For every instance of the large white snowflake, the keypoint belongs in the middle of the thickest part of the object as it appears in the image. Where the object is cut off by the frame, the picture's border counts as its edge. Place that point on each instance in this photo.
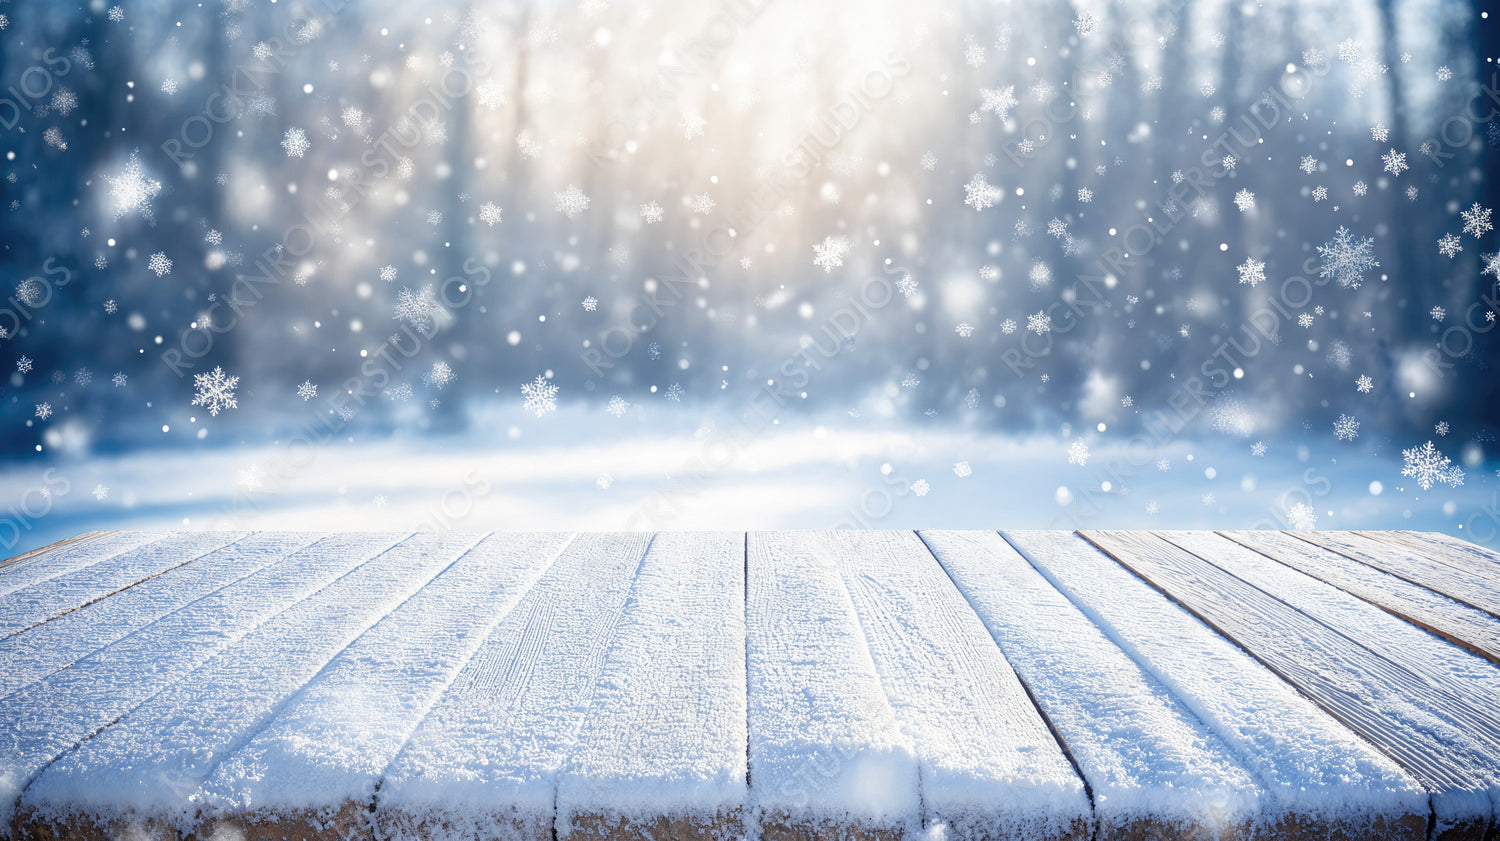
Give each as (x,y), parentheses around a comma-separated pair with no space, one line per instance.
(1428,467)
(1244,200)
(540,394)
(829,254)
(1346,428)
(215,390)
(489,213)
(417,308)
(979,193)
(1347,258)
(1078,453)
(1450,245)
(132,191)
(618,406)
(1252,271)
(571,201)
(295,142)
(307,390)
(1395,162)
(159,263)
(1301,516)
(999,101)
(1476,220)
(1039,322)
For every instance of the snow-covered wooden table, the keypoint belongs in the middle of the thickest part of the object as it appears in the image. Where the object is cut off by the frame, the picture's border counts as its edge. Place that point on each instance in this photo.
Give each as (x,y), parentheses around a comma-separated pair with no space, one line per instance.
(788,686)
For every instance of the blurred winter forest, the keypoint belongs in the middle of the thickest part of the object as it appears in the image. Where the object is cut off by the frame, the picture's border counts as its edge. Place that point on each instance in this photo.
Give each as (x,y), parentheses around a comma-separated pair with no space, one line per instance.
(1003,217)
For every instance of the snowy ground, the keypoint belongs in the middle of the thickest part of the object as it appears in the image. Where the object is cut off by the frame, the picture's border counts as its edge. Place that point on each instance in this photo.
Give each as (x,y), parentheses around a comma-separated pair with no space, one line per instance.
(714,473)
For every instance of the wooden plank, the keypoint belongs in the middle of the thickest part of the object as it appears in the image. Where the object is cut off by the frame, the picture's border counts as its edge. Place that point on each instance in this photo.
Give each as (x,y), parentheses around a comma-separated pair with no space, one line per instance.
(1467,586)
(1454,621)
(1460,554)
(991,768)
(827,756)
(1388,705)
(485,760)
(24,608)
(662,749)
(1309,764)
(66,556)
(148,767)
(1465,683)
(52,715)
(314,768)
(1151,765)
(41,650)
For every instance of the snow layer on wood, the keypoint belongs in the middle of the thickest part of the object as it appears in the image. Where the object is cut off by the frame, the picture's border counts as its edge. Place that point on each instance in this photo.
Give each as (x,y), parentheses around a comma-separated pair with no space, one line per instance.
(43,649)
(486,758)
(50,563)
(68,591)
(1472,682)
(1145,755)
(1460,554)
(825,746)
(52,715)
(1454,620)
(665,735)
(1385,704)
(1471,586)
(330,743)
(1304,758)
(150,764)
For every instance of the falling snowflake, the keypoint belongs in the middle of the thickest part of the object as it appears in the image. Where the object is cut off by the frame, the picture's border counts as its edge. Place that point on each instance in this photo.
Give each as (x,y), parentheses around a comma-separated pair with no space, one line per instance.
(907,286)
(116,14)
(44,410)
(651,212)
(1449,246)
(1444,74)
(618,406)
(132,191)
(1320,193)
(653,350)
(1258,448)
(1228,161)
(100,492)
(1039,322)
(1491,264)
(674,393)
(540,394)
(417,308)
(571,201)
(1395,162)
(1301,516)
(829,254)
(215,391)
(962,469)
(1078,453)
(702,204)
(120,379)
(1364,384)
(1411,193)
(1428,467)
(159,264)
(24,364)
(998,101)
(1441,429)
(910,381)
(1346,428)
(1379,133)
(1252,271)
(964,329)
(1360,188)
(928,161)
(1309,164)
(1086,24)
(1085,195)
(30,291)
(307,390)
(439,375)
(1305,320)
(979,193)
(1244,200)
(1346,259)
(295,143)
(1438,313)
(1476,220)
(398,394)
(489,213)
(920,487)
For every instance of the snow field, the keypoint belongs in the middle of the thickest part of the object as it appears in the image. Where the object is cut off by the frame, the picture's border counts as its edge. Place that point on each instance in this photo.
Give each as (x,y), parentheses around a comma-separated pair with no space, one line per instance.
(1148,760)
(1308,763)
(485,761)
(1443,548)
(51,716)
(827,755)
(1476,587)
(664,737)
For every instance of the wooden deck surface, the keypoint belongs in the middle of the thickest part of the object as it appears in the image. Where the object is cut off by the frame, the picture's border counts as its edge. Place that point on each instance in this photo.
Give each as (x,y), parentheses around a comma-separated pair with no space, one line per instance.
(790,686)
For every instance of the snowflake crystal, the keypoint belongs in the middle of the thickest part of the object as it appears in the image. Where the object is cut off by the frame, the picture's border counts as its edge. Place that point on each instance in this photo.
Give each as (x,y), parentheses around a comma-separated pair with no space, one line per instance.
(1346,258)
(1428,467)
(540,394)
(215,391)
